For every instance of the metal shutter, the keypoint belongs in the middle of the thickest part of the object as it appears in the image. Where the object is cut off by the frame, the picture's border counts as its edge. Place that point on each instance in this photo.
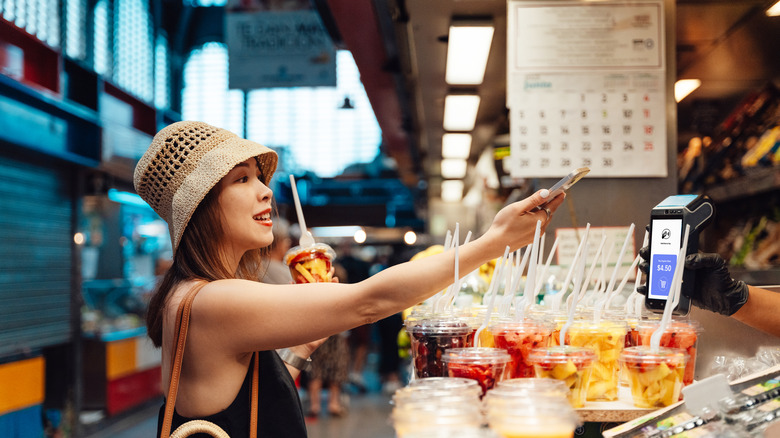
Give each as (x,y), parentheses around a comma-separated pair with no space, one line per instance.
(35,255)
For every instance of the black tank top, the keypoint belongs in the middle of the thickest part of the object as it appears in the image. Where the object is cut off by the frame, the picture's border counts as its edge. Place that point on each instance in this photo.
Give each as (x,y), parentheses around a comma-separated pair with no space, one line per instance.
(279,408)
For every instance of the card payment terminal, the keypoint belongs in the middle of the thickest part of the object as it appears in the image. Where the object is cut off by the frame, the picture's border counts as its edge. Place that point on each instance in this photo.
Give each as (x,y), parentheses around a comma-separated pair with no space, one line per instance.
(667,224)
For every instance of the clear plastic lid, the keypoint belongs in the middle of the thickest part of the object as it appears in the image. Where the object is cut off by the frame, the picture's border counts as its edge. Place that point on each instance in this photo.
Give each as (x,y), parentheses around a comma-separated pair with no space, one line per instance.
(644,355)
(563,354)
(307,252)
(439,326)
(525,326)
(476,355)
(443,382)
(533,384)
(675,325)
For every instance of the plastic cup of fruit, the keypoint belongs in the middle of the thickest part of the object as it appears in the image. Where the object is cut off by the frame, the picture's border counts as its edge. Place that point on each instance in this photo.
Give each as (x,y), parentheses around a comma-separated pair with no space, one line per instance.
(310,264)
(607,338)
(485,365)
(452,388)
(540,418)
(655,377)
(431,337)
(434,416)
(572,365)
(682,334)
(518,338)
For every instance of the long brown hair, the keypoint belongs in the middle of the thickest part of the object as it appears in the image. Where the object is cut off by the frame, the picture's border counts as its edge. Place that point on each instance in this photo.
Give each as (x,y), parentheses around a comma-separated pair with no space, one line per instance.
(199,256)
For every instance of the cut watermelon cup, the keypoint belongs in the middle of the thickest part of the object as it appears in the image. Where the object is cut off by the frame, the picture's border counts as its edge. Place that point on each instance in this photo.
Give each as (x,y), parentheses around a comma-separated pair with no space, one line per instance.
(655,377)
(518,338)
(310,264)
(430,338)
(682,334)
(485,365)
(572,365)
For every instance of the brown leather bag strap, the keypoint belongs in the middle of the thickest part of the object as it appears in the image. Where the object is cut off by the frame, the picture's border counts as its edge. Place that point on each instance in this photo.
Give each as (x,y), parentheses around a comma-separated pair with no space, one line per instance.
(180,337)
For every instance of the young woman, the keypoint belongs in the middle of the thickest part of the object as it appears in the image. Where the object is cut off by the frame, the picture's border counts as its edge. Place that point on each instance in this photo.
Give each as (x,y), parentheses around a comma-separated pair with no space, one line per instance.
(211,187)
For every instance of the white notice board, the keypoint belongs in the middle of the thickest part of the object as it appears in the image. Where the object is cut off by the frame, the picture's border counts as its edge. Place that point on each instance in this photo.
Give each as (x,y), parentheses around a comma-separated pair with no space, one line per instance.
(586,86)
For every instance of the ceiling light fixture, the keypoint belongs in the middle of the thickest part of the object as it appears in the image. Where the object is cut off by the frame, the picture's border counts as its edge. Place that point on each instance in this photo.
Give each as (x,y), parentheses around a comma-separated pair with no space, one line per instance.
(453,168)
(460,112)
(468,48)
(684,87)
(774,10)
(451,190)
(455,145)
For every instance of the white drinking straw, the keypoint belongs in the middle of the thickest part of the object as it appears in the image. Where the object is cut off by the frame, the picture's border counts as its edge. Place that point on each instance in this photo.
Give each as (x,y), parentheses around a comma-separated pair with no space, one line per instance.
(574,298)
(604,303)
(580,272)
(541,280)
(306,238)
(530,279)
(674,294)
(558,298)
(517,275)
(496,276)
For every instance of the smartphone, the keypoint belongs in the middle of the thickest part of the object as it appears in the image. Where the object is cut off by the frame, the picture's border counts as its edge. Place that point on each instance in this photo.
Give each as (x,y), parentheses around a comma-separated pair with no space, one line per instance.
(564,183)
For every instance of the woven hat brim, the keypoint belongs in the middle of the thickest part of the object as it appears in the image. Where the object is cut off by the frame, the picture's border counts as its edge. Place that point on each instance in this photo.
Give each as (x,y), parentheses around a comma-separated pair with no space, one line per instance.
(211,168)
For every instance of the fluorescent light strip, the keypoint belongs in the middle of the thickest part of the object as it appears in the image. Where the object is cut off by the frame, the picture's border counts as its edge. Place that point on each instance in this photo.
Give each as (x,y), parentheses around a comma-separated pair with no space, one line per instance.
(455,145)
(774,10)
(468,48)
(453,168)
(452,190)
(460,112)
(684,87)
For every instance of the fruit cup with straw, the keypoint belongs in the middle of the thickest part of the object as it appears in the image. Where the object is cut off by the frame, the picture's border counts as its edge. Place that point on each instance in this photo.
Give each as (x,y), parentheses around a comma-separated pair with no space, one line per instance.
(309,262)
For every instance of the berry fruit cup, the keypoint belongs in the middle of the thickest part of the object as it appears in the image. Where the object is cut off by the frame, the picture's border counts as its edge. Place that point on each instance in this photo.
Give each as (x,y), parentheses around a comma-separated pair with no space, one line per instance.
(310,264)
(572,365)
(485,365)
(518,338)
(655,377)
(431,337)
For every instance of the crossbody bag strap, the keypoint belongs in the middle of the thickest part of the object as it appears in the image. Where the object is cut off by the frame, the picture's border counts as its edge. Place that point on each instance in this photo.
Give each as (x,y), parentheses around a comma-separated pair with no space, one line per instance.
(180,336)
(255,388)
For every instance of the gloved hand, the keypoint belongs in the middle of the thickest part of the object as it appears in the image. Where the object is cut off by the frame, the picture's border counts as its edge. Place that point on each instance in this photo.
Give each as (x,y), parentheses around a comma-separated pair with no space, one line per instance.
(714,290)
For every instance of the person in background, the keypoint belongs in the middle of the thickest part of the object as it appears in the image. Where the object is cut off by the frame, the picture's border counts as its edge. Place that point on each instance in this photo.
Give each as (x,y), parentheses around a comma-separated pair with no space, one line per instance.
(211,187)
(359,337)
(329,365)
(387,329)
(277,271)
(715,290)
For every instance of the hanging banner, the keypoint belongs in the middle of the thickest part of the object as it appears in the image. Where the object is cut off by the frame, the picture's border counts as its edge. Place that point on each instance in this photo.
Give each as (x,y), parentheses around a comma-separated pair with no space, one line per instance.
(273,48)
(586,86)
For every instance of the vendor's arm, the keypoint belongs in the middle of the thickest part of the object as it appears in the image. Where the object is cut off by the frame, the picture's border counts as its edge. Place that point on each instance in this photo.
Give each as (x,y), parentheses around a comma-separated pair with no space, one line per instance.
(761,311)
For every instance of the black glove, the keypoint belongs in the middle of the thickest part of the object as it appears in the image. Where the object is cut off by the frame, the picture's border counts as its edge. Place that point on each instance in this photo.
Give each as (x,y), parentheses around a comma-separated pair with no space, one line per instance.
(714,289)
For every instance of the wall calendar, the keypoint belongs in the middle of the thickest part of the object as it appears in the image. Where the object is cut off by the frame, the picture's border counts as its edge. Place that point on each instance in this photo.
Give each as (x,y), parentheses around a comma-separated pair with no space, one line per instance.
(587,87)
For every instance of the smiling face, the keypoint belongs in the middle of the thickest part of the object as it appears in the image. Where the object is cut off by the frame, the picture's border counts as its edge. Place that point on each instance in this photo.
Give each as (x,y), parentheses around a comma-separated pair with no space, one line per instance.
(245,206)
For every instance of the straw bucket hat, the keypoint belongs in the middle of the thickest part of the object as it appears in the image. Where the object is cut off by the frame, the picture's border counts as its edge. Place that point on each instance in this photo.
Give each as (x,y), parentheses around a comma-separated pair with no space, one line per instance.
(183,163)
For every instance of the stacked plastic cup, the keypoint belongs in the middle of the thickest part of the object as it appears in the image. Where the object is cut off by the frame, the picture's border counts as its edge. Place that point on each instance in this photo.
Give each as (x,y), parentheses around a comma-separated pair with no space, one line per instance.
(655,377)
(485,365)
(572,365)
(518,338)
(607,338)
(310,264)
(682,334)
(431,337)
(435,407)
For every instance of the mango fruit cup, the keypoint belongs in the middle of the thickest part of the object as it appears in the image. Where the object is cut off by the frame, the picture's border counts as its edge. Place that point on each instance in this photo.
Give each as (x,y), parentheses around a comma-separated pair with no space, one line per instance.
(607,339)
(311,264)
(485,365)
(678,334)
(655,377)
(572,365)
(518,338)
(431,337)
